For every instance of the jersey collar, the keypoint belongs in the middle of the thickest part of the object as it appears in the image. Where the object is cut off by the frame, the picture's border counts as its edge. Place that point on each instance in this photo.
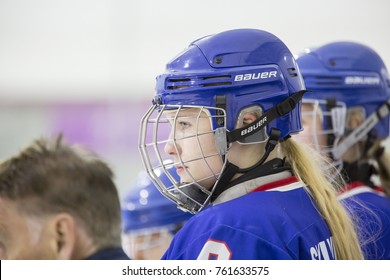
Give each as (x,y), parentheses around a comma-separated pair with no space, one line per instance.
(355,188)
(283,181)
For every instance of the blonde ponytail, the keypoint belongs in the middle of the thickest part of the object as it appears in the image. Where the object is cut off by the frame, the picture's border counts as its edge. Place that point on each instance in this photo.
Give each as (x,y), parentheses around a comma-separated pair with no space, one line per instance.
(309,169)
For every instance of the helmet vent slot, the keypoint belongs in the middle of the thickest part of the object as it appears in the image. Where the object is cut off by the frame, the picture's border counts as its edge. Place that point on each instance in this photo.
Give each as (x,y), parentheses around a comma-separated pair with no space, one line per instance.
(217,77)
(217,84)
(198,82)
(292,72)
(176,80)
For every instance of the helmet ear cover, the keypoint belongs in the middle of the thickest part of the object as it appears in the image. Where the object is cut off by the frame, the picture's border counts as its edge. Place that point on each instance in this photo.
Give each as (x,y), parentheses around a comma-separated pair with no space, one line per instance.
(261,135)
(262,121)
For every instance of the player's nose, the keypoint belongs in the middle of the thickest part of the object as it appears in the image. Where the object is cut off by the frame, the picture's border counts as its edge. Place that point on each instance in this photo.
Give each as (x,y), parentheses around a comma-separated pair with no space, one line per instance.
(171,147)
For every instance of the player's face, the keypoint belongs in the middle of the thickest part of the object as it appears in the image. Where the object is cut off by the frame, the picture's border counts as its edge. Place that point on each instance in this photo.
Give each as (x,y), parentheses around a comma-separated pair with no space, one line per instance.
(192,142)
(21,237)
(312,133)
(148,246)
(355,116)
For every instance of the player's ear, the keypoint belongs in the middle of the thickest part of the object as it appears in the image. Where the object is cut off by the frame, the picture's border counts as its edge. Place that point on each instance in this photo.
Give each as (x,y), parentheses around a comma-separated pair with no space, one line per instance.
(355,118)
(63,232)
(249,118)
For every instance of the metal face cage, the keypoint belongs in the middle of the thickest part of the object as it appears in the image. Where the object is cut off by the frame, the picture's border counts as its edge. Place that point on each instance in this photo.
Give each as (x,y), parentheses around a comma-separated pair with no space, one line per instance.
(182,137)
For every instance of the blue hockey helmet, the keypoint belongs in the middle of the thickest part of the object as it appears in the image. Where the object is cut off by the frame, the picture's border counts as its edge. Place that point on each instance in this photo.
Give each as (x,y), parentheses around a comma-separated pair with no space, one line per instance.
(149,220)
(225,76)
(353,75)
(144,207)
(233,70)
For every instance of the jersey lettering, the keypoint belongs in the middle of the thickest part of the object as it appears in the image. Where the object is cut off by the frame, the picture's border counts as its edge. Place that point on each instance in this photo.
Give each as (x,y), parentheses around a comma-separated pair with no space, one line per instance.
(323,250)
(215,250)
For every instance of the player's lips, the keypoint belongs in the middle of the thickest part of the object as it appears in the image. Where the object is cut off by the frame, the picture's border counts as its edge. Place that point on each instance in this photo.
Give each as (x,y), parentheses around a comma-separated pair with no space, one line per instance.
(180,169)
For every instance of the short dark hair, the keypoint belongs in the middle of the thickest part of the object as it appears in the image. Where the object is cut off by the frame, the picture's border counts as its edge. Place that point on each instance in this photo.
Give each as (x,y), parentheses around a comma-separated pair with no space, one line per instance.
(50,177)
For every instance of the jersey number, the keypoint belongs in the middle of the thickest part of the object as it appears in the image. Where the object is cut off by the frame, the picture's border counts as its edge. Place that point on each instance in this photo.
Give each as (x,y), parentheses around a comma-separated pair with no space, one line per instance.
(215,250)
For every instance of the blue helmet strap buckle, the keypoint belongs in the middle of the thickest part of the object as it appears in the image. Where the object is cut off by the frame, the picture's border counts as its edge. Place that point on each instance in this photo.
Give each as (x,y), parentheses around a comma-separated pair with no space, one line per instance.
(220,102)
(361,131)
(279,110)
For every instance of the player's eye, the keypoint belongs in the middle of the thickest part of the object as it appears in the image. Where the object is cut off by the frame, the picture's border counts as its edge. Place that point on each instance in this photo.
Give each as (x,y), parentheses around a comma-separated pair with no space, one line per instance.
(183,125)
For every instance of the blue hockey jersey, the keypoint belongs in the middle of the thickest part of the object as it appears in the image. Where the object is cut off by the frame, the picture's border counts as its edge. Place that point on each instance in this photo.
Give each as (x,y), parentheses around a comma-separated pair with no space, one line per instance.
(372,210)
(277,220)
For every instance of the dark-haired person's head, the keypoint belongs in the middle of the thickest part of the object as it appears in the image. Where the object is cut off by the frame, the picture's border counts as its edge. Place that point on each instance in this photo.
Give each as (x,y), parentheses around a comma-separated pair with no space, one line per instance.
(58,201)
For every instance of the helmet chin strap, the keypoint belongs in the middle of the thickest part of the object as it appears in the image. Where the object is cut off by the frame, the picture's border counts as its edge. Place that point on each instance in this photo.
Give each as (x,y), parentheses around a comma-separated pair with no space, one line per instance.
(273,140)
(361,170)
(231,169)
